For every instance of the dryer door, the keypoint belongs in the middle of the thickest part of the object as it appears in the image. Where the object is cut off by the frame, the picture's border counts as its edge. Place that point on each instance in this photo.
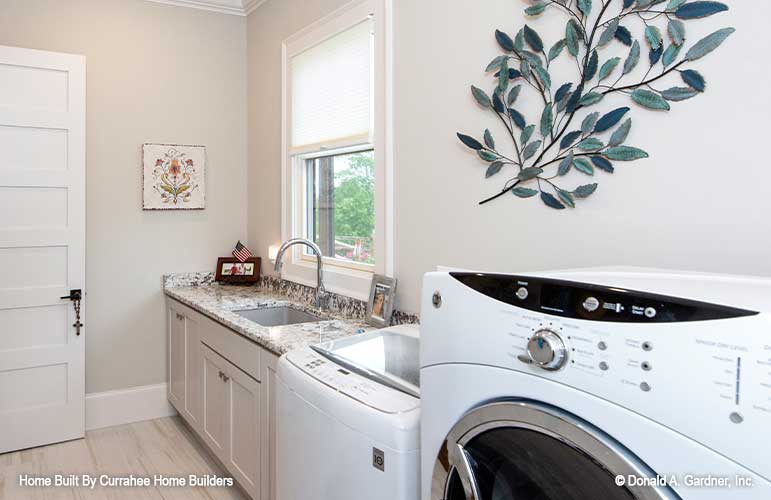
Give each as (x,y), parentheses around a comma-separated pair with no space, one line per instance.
(524,450)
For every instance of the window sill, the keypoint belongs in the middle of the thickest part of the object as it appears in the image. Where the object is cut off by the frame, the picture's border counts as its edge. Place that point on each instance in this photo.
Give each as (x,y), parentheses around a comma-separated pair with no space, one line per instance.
(337,279)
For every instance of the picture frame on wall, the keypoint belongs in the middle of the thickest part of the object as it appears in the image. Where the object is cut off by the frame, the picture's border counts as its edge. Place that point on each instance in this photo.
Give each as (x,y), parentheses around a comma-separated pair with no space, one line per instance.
(173,177)
(381,301)
(233,271)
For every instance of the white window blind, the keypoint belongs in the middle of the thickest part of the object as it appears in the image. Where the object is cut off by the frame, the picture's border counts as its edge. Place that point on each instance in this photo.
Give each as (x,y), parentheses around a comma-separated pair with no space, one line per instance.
(332,89)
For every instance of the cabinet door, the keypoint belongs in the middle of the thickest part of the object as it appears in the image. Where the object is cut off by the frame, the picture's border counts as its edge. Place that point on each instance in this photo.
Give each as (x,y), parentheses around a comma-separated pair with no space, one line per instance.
(269,363)
(193,389)
(176,359)
(215,415)
(244,459)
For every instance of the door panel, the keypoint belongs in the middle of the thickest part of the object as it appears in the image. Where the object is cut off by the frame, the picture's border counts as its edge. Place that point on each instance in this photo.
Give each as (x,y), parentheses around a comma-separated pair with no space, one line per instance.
(192,406)
(245,436)
(42,246)
(216,404)
(176,359)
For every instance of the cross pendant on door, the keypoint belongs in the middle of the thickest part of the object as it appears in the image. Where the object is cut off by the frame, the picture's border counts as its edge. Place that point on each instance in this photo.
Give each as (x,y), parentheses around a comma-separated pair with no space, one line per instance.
(75,296)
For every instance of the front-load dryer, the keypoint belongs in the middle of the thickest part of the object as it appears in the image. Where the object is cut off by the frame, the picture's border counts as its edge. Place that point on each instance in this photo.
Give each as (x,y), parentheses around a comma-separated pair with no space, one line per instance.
(595,386)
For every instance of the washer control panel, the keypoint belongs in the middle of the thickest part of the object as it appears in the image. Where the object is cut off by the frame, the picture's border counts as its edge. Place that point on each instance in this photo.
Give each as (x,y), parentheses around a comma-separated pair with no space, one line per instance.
(350,383)
(568,299)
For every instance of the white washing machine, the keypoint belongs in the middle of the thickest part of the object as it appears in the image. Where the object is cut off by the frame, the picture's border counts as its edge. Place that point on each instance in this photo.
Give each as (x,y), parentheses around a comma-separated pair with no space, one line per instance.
(348,419)
(595,385)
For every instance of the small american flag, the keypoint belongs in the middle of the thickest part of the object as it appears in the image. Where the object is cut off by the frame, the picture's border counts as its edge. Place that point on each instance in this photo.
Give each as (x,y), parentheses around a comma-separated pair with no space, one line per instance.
(241,252)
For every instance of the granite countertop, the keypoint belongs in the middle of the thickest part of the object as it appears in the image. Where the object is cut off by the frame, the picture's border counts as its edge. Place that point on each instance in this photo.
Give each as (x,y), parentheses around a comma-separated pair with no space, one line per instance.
(219,302)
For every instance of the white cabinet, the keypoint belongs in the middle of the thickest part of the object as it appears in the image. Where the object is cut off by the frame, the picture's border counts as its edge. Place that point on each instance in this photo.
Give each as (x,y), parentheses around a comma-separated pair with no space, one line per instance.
(184,369)
(223,385)
(231,419)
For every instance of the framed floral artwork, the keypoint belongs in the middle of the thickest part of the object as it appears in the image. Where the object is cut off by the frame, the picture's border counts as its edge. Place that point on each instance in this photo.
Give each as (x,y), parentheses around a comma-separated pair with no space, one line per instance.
(173,177)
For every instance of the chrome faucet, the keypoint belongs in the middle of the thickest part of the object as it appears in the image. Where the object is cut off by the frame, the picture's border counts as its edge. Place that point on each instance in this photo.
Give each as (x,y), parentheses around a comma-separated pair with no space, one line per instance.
(321,293)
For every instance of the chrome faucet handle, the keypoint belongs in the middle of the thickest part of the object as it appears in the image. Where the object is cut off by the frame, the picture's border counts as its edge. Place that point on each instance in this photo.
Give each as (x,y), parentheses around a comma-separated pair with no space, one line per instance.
(322,300)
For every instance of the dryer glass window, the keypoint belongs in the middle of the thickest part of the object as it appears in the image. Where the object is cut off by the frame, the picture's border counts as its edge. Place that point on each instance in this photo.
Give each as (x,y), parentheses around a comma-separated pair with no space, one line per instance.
(520,464)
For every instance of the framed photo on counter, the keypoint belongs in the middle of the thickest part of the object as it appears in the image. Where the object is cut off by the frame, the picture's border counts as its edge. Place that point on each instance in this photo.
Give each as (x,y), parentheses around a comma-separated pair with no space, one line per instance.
(381,301)
(232,270)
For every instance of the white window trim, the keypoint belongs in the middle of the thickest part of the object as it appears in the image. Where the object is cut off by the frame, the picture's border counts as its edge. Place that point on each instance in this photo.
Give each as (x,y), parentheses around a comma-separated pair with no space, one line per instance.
(339,277)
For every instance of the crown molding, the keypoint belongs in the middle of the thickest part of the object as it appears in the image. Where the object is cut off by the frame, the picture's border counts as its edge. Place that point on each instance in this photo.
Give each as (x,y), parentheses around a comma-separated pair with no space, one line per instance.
(233,7)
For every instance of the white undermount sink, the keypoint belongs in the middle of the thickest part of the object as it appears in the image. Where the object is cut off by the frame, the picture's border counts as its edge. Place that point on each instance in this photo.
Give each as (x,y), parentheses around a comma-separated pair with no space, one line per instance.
(277,316)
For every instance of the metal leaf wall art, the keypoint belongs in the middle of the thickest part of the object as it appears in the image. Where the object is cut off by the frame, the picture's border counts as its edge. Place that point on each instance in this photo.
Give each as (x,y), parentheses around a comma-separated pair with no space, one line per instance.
(653,70)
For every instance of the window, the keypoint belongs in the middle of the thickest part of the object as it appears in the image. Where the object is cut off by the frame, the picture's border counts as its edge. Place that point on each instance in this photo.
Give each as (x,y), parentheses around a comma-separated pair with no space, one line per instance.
(340,201)
(336,179)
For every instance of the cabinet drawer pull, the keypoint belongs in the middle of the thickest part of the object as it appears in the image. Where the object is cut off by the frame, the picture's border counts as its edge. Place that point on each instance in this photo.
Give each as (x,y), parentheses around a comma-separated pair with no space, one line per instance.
(224,377)
(180,317)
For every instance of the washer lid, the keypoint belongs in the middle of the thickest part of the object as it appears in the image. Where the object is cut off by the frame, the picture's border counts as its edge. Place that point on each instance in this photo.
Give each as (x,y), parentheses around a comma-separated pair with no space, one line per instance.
(389,356)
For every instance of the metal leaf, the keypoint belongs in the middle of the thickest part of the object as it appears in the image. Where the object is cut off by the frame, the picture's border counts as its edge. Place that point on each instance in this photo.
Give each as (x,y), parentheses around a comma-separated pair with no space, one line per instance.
(569,139)
(653,35)
(585,6)
(625,153)
(533,39)
(590,144)
(470,142)
(504,41)
(544,76)
(633,58)
(585,191)
(696,10)
(565,164)
(572,38)
(654,56)
(583,165)
(529,173)
(517,117)
(674,4)
(493,169)
(566,198)
(610,120)
(503,76)
(536,9)
(624,36)
(676,30)
(609,33)
(526,134)
(556,49)
(498,105)
(530,150)
(589,122)
(547,120)
(519,41)
(608,68)
(650,100)
(694,79)
(489,141)
(487,155)
(513,94)
(590,99)
(551,201)
(524,192)
(562,92)
(619,136)
(679,93)
(495,64)
(670,54)
(591,66)
(482,98)
(603,164)
(708,43)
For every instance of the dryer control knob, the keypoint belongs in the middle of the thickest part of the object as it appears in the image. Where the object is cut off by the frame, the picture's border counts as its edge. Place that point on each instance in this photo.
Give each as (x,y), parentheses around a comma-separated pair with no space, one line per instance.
(547,350)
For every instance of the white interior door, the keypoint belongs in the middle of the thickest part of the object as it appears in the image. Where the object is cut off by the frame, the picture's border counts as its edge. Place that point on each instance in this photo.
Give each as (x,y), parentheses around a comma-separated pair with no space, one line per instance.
(42,246)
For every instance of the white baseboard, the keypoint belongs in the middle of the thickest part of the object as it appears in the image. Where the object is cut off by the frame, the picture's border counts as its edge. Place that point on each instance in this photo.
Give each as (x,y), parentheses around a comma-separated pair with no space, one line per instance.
(124,406)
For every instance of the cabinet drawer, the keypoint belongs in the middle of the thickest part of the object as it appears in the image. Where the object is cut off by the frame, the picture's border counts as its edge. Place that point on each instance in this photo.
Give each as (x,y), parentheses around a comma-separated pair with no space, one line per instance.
(243,353)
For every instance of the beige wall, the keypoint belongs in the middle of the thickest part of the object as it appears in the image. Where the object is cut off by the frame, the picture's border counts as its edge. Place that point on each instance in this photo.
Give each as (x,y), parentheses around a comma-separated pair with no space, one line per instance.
(267,28)
(699,203)
(156,73)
